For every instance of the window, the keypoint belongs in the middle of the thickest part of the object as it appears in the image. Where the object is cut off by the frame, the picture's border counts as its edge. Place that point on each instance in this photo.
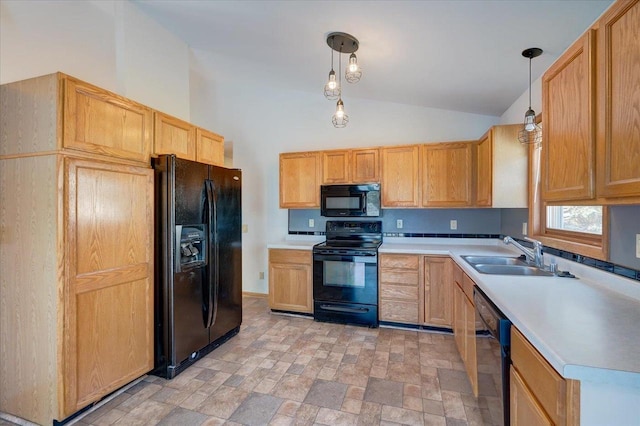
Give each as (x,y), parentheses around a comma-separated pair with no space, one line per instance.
(584,219)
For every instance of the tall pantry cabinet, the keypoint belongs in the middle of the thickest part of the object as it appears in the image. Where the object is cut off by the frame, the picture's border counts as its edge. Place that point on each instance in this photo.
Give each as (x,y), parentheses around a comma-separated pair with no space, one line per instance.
(76,246)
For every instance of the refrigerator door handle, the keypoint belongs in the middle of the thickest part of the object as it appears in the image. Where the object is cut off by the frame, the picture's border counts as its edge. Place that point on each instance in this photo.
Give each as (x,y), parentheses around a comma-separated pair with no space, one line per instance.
(214,276)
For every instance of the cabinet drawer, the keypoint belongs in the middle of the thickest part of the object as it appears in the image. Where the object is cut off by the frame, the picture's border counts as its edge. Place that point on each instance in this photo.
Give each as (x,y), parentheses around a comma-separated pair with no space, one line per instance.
(400,261)
(545,383)
(399,277)
(395,311)
(403,292)
(290,256)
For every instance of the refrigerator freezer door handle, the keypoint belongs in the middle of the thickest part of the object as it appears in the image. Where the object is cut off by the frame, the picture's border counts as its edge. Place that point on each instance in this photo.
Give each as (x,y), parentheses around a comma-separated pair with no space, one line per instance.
(214,265)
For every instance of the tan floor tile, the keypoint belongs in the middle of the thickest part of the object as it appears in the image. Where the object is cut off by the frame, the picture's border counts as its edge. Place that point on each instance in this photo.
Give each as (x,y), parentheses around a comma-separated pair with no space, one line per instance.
(412,403)
(401,415)
(289,408)
(351,405)
(293,387)
(453,406)
(434,420)
(279,420)
(355,392)
(327,416)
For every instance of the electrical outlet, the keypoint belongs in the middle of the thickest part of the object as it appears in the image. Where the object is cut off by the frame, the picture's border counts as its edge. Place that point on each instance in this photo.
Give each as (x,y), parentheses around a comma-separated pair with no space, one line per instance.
(262,275)
(524,228)
(399,223)
(453,224)
(638,246)
(312,223)
(245,228)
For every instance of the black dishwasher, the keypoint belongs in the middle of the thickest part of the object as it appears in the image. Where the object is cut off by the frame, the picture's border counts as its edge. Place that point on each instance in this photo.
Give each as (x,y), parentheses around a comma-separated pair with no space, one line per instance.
(494,358)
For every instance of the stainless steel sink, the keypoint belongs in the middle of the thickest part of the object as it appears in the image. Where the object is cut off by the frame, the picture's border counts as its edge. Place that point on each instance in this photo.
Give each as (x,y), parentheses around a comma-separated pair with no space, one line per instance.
(504,265)
(494,260)
(510,270)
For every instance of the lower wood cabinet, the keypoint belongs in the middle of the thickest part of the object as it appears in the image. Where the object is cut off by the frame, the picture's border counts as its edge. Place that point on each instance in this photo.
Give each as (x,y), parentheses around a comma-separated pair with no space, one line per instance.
(291,280)
(399,289)
(539,395)
(438,291)
(464,325)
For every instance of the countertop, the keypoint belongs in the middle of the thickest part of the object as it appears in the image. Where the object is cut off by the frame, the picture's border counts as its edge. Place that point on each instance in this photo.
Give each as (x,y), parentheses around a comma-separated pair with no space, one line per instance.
(587,328)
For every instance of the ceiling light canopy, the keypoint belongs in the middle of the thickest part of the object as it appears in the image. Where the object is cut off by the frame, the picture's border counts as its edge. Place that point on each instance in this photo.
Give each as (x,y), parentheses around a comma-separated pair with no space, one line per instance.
(341,43)
(530,133)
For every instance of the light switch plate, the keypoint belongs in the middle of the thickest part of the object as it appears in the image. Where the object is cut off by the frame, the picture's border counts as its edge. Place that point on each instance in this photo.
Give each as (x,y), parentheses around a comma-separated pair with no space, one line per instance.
(524,228)
(453,224)
(399,223)
(312,223)
(638,246)
(245,228)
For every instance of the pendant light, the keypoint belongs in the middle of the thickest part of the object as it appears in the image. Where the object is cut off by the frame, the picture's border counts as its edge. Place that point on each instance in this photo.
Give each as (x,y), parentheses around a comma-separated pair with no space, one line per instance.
(342,43)
(530,133)
(340,119)
(332,88)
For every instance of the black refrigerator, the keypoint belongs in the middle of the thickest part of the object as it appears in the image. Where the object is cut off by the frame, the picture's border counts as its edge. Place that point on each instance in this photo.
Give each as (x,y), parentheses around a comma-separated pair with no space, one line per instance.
(198,261)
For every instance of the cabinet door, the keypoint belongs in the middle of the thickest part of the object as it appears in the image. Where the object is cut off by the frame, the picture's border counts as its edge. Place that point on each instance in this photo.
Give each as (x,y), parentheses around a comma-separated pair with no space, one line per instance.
(568,117)
(401,176)
(471,360)
(335,166)
(290,280)
(300,177)
(618,141)
(459,320)
(101,122)
(524,408)
(365,165)
(438,291)
(209,148)
(484,170)
(174,136)
(446,175)
(108,333)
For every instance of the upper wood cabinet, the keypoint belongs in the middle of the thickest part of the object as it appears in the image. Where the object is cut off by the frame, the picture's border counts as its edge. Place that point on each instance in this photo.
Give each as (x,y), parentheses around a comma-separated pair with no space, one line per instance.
(568,117)
(351,166)
(300,177)
(618,95)
(401,176)
(290,280)
(447,174)
(174,136)
(365,165)
(209,147)
(501,169)
(336,166)
(101,122)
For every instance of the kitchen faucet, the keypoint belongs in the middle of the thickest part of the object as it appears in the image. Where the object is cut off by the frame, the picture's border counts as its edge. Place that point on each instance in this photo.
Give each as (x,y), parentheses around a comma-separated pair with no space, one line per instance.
(534,255)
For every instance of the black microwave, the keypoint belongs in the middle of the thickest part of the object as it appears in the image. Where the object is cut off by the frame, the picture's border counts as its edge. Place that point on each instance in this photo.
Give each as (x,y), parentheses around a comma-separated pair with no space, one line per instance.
(350,200)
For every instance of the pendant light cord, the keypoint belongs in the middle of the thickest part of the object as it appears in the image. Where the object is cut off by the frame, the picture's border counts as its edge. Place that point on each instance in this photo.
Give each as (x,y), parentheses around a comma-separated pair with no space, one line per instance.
(529,82)
(332,49)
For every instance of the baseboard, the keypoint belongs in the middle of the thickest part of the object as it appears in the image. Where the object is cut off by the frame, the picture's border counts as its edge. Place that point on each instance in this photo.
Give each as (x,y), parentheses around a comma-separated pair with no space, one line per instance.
(251,294)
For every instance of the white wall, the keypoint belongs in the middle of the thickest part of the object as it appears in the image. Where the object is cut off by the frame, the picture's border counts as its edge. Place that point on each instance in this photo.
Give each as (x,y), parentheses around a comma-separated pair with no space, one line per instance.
(264,121)
(515,113)
(108,43)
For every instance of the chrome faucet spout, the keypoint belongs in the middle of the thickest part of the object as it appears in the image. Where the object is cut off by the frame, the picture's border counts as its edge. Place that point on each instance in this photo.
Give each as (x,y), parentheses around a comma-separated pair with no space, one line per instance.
(535,256)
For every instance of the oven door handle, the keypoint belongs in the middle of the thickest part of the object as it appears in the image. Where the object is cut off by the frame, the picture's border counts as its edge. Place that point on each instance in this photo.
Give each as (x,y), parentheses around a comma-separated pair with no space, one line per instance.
(345,258)
(344,309)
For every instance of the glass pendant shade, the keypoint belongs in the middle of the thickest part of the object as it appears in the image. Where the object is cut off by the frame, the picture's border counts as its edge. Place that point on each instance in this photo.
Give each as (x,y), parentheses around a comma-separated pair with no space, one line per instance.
(530,133)
(353,73)
(332,88)
(340,119)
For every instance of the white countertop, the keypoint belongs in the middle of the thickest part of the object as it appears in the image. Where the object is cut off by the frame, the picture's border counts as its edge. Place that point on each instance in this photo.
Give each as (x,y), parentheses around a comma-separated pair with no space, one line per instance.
(587,328)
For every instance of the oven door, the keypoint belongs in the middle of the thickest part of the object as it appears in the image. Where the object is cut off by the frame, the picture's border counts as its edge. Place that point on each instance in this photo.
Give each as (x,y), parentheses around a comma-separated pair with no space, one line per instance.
(345,278)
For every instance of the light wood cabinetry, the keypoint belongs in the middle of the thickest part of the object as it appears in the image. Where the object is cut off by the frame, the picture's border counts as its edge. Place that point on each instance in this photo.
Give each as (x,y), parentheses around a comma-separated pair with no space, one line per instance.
(365,165)
(400,176)
(108,290)
(209,147)
(501,169)
(123,130)
(592,88)
(618,100)
(569,132)
(80,324)
(400,293)
(300,177)
(290,280)
(447,174)
(438,291)
(537,390)
(174,136)
(335,166)
(464,324)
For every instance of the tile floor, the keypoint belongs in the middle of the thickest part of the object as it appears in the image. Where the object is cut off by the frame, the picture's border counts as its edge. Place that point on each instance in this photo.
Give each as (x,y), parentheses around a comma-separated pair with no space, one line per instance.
(284,370)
